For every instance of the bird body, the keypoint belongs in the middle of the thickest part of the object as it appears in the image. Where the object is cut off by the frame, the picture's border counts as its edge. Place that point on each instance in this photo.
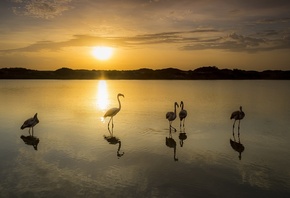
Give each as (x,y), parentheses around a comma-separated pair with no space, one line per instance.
(113,111)
(30,123)
(171,116)
(182,113)
(238,115)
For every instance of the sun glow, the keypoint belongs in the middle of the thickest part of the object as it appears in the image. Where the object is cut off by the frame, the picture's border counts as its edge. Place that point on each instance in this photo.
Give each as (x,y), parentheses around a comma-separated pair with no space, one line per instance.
(102,52)
(102,95)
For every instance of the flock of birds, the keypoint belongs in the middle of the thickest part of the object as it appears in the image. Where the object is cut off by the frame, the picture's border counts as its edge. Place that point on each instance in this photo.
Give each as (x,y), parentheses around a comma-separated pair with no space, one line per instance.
(170,116)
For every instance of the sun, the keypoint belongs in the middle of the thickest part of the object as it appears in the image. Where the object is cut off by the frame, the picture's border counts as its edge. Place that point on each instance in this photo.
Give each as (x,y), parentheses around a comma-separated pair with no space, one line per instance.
(102,52)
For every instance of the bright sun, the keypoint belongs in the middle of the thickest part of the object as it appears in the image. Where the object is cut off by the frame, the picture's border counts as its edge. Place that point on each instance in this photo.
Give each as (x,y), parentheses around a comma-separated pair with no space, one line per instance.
(102,52)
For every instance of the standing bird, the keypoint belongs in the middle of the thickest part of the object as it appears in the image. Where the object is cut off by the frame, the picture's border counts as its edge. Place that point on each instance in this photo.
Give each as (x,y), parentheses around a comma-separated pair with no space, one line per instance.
(237,115)
(170,116)
(30,123)
(113,111)
(182,113)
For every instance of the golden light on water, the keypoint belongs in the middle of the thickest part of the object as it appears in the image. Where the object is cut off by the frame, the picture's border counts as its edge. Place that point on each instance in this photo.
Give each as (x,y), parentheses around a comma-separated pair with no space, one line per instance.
(102,95)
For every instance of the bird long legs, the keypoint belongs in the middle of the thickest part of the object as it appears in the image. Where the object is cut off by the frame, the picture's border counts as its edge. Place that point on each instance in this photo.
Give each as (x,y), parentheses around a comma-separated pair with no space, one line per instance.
(112,123)
(31,130)
(238,127)
(170,126)
(182,123)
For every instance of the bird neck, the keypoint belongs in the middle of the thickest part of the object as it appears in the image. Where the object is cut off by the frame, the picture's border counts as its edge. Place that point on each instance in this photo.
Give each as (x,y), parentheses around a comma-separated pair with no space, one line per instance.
(119,102)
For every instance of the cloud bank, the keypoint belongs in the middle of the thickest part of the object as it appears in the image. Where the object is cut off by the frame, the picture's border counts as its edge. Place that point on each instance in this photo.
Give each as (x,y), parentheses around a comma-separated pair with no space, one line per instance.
(46,9)
(199,39)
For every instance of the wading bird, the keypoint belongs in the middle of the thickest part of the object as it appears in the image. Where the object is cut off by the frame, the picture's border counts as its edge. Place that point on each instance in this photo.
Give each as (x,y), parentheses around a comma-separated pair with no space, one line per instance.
(30,123)
(113,111)
(182,113)
(237,115)
(170,116)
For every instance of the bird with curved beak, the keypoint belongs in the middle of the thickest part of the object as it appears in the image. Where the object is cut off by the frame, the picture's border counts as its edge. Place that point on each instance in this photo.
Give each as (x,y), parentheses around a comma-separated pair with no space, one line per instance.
(113,111)
(170,116)
(182,114)
(237,115)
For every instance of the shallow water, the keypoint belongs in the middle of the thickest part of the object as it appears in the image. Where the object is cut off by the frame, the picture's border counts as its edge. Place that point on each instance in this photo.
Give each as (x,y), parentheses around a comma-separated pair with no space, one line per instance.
(78,157)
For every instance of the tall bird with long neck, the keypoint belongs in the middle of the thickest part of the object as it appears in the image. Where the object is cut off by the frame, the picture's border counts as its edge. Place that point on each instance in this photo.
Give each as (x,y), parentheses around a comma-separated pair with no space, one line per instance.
(170,116)
(182,114)
(237,115)
(30,123)
(113,111)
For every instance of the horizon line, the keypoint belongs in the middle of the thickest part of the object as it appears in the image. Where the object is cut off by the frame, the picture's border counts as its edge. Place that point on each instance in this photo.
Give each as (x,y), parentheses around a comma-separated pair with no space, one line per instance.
(165,68)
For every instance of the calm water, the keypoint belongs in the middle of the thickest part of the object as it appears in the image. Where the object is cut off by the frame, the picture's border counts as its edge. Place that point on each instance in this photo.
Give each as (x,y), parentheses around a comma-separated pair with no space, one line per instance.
(77,156)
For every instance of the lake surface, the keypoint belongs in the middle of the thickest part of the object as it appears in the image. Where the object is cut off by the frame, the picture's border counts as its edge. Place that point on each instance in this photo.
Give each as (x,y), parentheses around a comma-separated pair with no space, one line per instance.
(77,156)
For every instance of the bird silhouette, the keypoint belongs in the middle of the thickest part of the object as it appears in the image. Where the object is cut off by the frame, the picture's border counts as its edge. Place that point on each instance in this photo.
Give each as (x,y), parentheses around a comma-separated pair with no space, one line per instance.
(237,115)
(113,111)
(182,114)
(30,123)
(170,116)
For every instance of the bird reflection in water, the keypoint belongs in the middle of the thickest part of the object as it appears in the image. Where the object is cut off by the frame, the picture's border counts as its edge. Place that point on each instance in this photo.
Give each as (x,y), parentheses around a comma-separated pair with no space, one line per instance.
(111,139)
(171,143)
(182,115)
(30,140)
(182,136)
(237,145)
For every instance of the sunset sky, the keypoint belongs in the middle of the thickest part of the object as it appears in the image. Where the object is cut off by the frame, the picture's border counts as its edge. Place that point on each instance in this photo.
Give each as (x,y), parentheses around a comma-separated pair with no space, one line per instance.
(185,34)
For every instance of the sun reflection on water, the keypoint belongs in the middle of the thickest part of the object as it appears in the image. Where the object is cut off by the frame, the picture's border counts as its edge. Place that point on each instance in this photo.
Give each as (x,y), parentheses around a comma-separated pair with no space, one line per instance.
(102,95)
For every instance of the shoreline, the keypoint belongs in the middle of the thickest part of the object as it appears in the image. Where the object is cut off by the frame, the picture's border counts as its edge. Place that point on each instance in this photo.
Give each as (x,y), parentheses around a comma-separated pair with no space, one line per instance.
(202,73)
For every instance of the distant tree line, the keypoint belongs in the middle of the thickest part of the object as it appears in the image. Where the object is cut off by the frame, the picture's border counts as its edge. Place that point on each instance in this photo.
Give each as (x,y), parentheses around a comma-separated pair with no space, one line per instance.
(202,73)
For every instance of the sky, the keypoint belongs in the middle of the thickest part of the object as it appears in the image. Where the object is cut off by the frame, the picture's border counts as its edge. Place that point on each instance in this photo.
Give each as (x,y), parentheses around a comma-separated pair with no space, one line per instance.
(156,34)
